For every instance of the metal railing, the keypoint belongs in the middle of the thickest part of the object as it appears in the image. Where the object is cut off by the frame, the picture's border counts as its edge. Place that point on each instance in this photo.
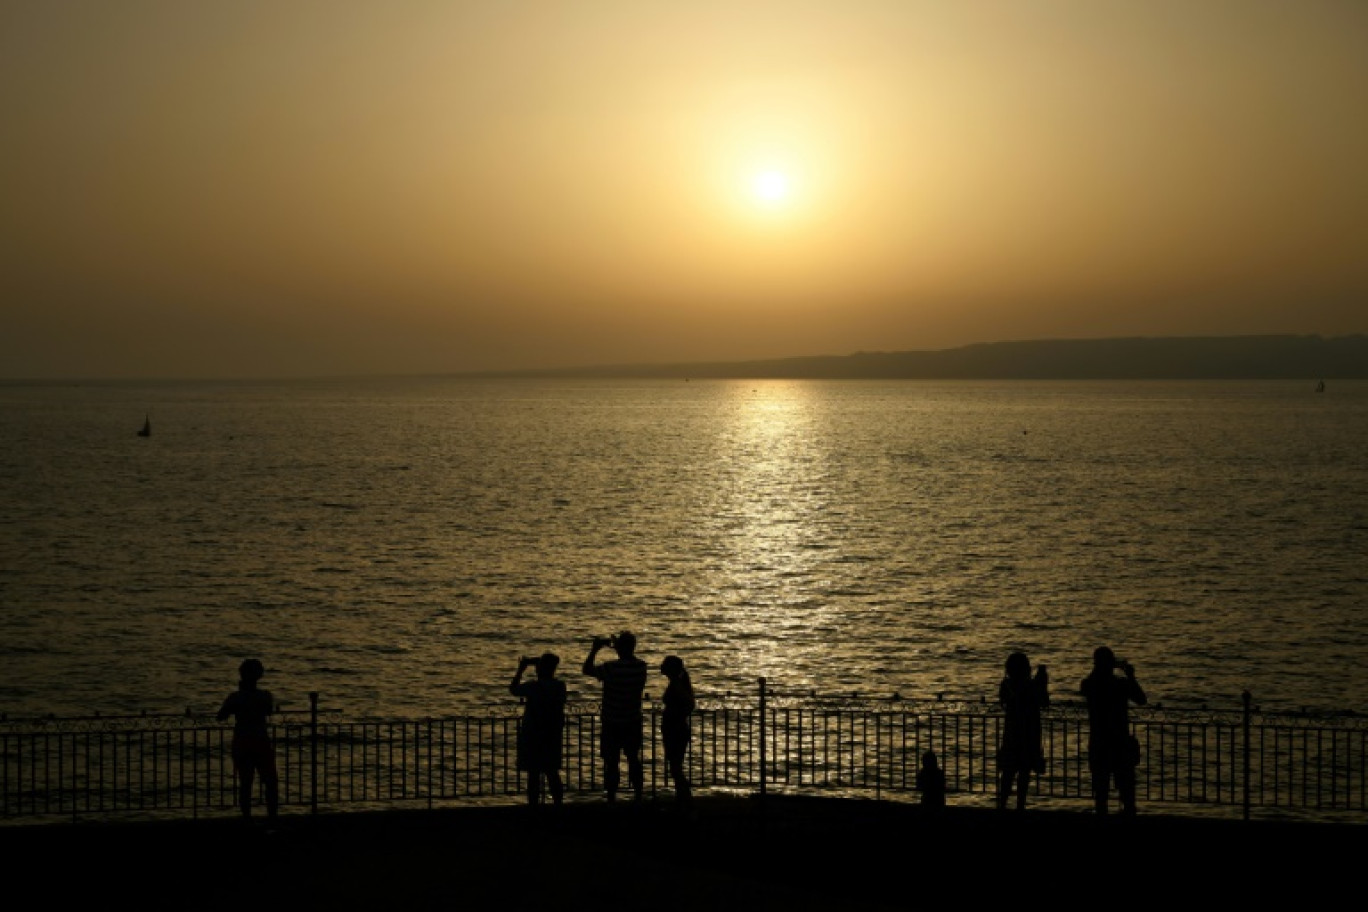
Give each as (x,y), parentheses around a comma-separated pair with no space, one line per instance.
(1236,762)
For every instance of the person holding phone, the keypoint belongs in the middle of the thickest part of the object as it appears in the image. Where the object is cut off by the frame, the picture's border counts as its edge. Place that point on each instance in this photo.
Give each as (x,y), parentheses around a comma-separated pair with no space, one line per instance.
(1020,753)
(624,682)
(1113,753)
(543,723)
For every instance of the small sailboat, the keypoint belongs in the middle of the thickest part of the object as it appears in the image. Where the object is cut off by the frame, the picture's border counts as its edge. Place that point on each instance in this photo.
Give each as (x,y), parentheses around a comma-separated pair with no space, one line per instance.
(1320,387)
(146,428)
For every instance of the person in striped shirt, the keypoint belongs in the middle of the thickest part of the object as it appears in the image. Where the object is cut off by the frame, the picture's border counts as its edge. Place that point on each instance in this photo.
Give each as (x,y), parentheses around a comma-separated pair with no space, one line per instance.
(624,680)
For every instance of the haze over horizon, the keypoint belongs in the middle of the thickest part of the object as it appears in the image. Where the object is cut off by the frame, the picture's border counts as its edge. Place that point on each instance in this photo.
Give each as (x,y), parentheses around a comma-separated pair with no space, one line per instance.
(319,188)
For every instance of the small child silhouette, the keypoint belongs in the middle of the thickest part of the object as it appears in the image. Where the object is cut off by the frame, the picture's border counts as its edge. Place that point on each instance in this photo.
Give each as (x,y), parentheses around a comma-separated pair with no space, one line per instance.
(931,782)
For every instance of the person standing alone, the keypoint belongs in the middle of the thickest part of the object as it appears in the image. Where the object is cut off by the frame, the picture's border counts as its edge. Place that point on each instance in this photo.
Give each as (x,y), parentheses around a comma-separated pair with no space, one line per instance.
(253,753)
(624,680)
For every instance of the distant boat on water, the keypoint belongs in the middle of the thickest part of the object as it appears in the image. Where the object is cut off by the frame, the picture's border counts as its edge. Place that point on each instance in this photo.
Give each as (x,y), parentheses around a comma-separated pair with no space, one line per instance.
(1320,386)
(146,428)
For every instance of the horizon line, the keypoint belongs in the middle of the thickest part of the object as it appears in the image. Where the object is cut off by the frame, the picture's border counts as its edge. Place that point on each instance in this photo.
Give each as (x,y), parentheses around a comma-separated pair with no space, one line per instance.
(625,368)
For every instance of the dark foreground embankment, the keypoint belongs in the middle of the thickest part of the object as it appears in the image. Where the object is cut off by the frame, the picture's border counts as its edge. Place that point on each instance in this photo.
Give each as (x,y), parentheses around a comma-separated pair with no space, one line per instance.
(733,853)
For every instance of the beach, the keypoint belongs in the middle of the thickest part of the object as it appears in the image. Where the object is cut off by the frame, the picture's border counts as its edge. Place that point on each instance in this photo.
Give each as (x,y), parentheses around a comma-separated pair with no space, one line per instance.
(731,852)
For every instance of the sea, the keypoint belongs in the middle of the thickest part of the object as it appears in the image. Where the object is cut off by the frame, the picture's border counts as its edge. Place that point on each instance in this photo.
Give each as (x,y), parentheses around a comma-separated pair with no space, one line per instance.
(395,545)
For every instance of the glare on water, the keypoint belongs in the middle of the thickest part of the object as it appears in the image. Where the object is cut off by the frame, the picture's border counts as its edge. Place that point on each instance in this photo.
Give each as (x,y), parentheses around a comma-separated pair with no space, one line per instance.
(396,545)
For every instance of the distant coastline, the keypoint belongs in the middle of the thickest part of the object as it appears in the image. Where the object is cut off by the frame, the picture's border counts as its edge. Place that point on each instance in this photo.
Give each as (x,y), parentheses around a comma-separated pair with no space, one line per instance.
(1268,357)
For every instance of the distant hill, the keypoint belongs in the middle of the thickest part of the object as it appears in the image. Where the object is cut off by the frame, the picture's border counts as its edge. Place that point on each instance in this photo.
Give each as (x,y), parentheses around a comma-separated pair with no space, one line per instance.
(1177,358)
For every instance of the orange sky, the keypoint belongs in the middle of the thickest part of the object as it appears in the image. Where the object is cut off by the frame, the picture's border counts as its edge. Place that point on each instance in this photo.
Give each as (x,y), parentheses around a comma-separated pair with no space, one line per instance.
(273,189)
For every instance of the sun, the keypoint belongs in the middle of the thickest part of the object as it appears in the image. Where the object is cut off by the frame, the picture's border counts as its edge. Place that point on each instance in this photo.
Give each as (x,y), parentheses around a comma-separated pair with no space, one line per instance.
(770,187)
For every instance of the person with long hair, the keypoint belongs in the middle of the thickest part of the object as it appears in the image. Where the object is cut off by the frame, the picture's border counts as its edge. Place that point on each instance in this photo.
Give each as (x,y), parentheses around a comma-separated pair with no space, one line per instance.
(678,702)
(1020,753)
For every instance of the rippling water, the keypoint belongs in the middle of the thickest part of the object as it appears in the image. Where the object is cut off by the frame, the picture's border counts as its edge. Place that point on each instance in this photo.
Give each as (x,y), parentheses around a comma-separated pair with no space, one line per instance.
(396,545)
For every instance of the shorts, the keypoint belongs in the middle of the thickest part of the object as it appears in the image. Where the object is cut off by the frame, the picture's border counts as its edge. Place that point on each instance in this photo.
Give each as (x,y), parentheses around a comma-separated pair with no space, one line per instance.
(620,737)
(254,754)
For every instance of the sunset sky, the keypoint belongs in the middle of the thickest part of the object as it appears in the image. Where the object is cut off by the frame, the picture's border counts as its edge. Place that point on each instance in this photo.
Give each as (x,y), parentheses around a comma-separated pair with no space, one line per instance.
(223,189)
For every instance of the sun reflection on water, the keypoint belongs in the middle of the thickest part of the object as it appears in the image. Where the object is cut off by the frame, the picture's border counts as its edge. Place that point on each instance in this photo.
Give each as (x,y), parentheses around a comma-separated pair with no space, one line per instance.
(768,516)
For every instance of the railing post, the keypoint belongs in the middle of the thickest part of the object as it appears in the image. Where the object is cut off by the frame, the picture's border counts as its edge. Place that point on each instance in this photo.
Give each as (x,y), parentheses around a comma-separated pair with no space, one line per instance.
(431,763)
(762,738)
(654,730)
(1247,699)
(313,752)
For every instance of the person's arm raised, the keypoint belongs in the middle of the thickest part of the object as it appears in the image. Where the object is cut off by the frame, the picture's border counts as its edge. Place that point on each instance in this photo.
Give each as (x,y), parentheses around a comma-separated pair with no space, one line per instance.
(517,676)
(594,647)
(1135,691)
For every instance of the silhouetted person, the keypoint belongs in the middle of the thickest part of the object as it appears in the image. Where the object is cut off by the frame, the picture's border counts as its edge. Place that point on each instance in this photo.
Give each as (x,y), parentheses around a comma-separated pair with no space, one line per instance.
(543,722)
(624,680)
(931,782)
(674,724)
(1113,754)
(1020,754)
(253,753)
